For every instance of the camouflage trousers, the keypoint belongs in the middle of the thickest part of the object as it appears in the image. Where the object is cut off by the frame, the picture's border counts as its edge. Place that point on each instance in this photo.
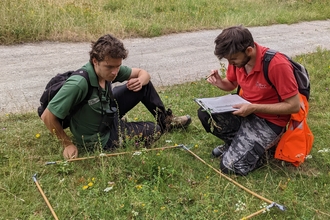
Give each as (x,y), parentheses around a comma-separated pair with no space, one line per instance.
(247,139)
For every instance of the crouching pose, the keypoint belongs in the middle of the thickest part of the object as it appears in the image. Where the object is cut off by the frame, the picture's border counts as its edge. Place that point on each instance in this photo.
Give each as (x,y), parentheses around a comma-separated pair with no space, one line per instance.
(253,128)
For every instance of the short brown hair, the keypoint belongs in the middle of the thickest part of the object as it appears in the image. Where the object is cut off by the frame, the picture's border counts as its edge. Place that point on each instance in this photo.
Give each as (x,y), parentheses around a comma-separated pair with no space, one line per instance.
(107,45)
(232,40)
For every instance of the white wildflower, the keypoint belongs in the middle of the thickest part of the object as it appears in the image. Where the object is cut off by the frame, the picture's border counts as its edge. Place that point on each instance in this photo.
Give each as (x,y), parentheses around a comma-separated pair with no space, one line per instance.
(108,189)
(309,157)
(325,150)
(240,206)
(137,153)
(135,213)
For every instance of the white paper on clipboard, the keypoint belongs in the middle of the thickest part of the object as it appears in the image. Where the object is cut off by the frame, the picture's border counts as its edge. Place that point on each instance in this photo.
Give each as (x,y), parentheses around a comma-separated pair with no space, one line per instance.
(220,104)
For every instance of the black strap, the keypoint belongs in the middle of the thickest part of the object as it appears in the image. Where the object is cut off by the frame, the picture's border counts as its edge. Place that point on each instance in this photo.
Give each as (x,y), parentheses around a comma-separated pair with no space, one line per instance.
(108,86)
(111,96)
(84,74)
(270,53)
(110,91)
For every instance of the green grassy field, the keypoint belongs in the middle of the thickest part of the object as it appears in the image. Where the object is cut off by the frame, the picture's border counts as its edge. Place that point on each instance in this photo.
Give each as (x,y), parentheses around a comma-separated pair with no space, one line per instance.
(169,183)
(86,20)
(158,184)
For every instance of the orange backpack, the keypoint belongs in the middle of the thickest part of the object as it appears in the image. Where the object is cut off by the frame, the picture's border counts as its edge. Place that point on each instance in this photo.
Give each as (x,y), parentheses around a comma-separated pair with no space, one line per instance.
(297,141)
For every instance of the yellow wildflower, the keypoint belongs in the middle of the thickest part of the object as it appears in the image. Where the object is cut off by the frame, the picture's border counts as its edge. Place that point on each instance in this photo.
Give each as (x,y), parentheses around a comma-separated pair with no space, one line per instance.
(90,184)
(162,208)
(138,187)
(85,187)
(38,135)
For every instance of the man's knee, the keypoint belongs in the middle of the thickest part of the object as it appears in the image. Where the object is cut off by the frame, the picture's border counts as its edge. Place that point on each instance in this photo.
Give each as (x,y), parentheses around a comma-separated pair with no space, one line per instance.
(242,165)
(204,118)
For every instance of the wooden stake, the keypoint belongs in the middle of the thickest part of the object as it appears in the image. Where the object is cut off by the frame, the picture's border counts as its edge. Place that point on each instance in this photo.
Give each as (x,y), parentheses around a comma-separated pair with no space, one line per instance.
(255,214)
(114,154)
(228,178)
(44,196)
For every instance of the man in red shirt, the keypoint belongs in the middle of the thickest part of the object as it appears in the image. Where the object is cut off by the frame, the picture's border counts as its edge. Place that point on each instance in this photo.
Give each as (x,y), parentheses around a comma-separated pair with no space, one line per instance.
(253,128)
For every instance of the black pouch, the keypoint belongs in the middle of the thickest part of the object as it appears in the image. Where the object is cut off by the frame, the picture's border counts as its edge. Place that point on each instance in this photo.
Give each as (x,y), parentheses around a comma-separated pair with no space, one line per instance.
(107,120)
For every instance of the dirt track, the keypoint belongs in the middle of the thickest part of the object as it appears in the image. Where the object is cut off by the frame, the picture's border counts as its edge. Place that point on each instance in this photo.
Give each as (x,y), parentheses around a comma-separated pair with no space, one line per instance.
(171,59)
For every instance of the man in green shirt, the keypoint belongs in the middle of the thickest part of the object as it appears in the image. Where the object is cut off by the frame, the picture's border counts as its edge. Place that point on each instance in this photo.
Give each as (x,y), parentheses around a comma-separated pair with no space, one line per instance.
(98,122)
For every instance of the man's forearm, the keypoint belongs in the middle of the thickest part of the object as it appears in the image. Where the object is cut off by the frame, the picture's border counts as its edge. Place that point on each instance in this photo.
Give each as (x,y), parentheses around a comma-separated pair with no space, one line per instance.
(55,127)
(288,106)
(142,74)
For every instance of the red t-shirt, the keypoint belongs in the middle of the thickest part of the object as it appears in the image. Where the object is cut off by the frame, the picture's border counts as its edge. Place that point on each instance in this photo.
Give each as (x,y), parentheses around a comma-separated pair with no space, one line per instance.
(257,90)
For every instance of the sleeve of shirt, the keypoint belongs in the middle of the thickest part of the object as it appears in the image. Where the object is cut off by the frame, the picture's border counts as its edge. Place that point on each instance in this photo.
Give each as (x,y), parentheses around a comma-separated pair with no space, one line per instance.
(73,92)
(123,74)
(282,77)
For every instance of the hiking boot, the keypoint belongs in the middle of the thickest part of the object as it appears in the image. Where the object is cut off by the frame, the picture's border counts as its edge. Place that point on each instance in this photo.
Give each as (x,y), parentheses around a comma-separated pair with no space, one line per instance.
(174,122)
(219,150)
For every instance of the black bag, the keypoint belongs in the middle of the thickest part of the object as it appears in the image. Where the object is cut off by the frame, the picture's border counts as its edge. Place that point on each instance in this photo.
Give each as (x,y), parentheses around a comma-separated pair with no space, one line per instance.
(299,71)
(54,85)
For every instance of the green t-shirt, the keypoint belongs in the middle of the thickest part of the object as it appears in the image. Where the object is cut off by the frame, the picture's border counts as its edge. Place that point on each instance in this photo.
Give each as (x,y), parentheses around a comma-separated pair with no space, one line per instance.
(84,124)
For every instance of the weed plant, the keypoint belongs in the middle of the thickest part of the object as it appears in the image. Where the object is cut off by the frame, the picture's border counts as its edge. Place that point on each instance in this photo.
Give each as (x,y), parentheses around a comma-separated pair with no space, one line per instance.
(163,184)
(85,20)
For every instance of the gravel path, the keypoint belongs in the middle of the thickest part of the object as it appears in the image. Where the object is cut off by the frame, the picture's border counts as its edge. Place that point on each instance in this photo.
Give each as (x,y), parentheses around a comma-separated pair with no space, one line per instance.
(170,59)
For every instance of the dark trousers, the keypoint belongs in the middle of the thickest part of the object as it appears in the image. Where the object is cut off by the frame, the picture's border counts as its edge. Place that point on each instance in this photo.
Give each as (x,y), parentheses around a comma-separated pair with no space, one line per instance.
(145,132)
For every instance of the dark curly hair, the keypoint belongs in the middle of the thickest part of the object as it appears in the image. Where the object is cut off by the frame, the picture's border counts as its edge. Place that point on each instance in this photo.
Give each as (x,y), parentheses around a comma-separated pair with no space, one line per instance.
(107,45)
(232,40)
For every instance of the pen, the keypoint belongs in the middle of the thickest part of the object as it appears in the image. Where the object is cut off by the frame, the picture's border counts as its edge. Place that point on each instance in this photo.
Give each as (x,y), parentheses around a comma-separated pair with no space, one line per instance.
(209,76)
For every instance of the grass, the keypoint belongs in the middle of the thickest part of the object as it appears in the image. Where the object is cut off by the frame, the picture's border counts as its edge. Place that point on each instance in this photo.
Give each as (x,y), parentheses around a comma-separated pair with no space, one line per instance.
(24,21)
(163,184)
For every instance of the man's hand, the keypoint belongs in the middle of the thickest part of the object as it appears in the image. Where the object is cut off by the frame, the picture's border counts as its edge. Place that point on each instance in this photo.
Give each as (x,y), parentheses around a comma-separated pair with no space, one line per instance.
(222,83)
(70,152)
(214,77)
(134,84)
(137,79)
(243,109)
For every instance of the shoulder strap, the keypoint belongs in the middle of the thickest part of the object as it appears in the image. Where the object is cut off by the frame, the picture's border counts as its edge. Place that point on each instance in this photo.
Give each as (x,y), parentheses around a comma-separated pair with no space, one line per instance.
(84,74)
(270,53)
(110,90)
(267,58)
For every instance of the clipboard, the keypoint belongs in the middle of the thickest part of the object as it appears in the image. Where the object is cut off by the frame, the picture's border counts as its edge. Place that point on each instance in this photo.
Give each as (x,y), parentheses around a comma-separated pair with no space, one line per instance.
(220,104)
